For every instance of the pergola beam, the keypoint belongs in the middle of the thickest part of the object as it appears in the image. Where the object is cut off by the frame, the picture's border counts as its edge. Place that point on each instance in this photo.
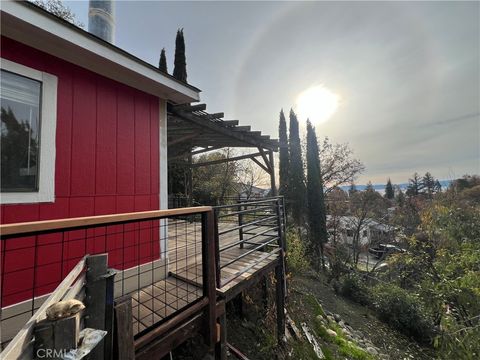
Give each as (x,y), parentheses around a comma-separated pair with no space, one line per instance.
(244,138)
(220,161)
(181,139)
(191,108)
(213,116)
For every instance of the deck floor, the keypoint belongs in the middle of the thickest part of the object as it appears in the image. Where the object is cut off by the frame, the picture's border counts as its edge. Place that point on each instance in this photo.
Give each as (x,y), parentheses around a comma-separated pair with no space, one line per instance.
(185,259)
(160,300)
(184,283)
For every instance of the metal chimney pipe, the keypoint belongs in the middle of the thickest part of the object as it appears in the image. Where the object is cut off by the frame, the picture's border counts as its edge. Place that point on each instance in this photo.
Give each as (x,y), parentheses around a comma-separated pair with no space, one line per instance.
(101,19)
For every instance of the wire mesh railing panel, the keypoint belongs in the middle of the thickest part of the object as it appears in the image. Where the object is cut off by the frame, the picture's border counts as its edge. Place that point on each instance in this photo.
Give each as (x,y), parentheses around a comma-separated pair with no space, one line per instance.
(158,259)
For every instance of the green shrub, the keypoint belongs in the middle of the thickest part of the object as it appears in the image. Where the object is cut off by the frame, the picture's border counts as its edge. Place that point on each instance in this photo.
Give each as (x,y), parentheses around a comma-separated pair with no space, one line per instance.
(354,288)
(403,311)
(296,252)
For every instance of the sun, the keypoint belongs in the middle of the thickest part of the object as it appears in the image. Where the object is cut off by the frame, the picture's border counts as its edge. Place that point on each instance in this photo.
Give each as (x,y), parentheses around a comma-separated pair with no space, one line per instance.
(317,103)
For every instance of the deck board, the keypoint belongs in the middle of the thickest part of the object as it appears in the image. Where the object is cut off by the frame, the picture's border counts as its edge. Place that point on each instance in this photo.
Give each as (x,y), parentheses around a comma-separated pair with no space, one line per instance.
(189,266)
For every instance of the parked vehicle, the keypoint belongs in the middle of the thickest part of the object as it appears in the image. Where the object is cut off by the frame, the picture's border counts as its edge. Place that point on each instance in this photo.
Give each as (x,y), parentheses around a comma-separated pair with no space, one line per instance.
(383,250)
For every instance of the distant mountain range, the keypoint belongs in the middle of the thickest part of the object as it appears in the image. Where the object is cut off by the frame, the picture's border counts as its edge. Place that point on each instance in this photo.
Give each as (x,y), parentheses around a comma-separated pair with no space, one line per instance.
(381,187)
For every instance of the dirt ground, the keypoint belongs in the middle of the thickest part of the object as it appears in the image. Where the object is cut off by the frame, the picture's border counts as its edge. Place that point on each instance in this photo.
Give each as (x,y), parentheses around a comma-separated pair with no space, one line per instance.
(360,318)
(252,326)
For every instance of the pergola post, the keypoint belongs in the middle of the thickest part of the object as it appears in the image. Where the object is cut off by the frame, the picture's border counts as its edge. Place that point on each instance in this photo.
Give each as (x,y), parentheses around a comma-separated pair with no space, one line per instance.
(272,173)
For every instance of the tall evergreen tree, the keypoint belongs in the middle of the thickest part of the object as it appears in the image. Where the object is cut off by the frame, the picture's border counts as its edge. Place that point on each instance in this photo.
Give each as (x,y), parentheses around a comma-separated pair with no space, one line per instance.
(389,193)
(296,182)
(428,184)
(162,64)
(180,66)
(414,185)
(283,154)
(317,219)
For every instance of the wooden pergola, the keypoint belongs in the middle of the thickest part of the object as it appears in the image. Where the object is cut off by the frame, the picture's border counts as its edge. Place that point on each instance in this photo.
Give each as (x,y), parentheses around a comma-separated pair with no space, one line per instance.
(193,131)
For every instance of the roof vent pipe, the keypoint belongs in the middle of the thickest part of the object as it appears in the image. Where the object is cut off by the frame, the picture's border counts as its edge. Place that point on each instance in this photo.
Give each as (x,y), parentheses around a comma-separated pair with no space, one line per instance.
(101,19)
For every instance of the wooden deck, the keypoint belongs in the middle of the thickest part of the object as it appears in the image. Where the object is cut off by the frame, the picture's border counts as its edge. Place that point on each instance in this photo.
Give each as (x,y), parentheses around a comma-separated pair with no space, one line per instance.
(184,284)
(185,259)
(160,300)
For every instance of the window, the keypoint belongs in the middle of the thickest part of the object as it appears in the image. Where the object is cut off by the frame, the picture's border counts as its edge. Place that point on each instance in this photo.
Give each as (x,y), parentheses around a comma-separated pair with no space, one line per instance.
(28,122)
(349,233)
(364,233)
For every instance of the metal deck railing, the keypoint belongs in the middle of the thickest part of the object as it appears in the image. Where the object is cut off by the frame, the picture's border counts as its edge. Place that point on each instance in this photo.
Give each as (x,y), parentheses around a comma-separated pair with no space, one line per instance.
(150,252)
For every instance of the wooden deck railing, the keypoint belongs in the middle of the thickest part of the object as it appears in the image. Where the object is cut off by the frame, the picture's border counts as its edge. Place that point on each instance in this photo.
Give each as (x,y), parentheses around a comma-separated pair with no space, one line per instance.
(150,251)
(171,263)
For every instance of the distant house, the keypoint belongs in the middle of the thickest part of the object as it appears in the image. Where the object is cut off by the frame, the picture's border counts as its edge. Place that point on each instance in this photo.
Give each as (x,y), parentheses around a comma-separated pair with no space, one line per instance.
(247,191)
(371,231)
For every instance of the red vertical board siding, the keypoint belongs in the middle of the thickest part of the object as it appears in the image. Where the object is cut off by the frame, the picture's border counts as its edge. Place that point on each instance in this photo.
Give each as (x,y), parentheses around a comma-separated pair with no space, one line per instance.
(64,130)
(154,146)
(107,161)
(106,147)
(84,129)
(142,145)
(125,142)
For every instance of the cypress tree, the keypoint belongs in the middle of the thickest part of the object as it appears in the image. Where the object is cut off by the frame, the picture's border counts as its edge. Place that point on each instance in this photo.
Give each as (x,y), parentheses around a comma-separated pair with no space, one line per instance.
(317,219)
(180,66)
(283,154)
(296,182)
(162,64)
(389,193)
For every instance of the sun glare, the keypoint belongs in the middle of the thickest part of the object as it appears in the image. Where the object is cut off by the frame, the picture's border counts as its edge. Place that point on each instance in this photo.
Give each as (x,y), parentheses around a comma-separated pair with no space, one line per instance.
(317,103)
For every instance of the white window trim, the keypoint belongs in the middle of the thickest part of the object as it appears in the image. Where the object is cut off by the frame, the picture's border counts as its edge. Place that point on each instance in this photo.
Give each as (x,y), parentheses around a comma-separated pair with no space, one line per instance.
(48,125)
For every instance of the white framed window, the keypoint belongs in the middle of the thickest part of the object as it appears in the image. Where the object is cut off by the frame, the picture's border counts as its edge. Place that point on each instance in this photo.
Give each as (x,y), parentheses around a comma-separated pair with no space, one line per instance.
(28,126)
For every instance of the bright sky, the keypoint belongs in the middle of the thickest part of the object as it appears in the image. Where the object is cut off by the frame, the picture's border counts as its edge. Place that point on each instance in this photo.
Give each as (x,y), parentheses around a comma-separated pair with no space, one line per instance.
(402,78)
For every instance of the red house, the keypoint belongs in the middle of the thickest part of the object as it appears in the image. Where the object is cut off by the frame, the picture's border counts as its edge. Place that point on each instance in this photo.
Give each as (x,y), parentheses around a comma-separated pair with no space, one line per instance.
(83,133)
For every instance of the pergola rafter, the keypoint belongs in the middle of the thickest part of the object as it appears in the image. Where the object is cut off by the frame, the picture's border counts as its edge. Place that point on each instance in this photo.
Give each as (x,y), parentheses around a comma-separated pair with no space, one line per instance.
(193,131)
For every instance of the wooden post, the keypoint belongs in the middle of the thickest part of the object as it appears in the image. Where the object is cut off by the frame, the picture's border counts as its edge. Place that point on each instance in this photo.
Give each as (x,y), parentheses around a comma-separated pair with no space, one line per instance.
(218,272)
(280,297)
(109,314)
(96,299)
(209,274)
(55,338)
(124,348)
(221,346)
(272,173)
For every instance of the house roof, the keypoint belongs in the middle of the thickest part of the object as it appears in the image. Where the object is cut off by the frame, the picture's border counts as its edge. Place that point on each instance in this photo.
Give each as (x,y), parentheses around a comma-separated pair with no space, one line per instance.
(35,27)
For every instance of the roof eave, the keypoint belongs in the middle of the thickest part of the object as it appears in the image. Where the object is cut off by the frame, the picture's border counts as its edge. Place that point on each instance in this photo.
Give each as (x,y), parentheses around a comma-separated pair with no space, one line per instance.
(40,30)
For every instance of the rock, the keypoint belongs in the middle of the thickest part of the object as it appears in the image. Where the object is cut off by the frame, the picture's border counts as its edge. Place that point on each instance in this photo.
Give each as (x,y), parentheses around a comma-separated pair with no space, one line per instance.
(321,319)
(330,318)
(331,332)
(372,350)
(341,323)
(337,317)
